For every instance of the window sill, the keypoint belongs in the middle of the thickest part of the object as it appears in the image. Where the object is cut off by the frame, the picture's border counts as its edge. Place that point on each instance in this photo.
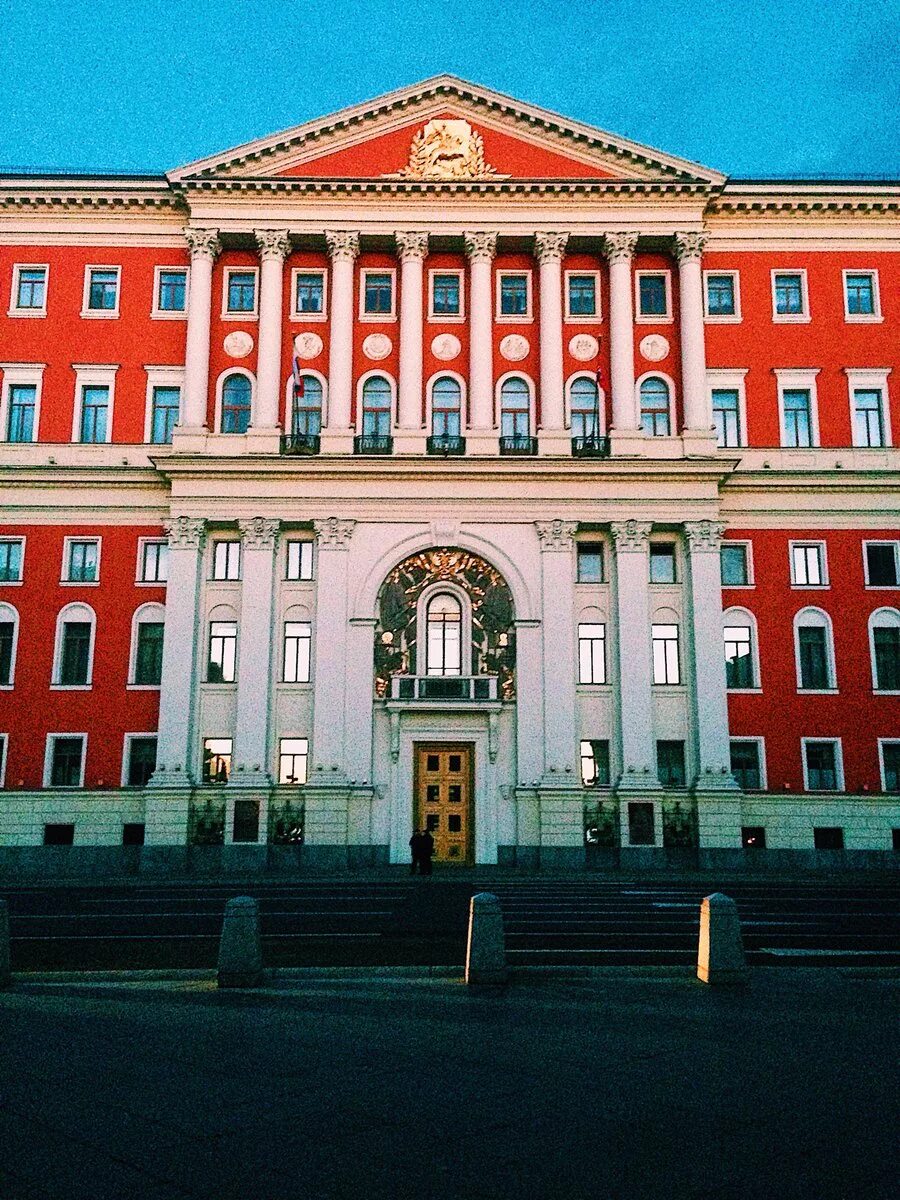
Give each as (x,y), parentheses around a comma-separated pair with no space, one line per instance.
(817,692)
(591,689)
(142,687)
(207,685)
(595,320)
(865,319)
(71,687)
(784,319)
(233,584)
(750,691)
(79,583)
(870,587)
(515,319)
(150,583)
(446,319)
(886,691)
(662,319)
(378,318)
(308,318)
(732,320)
(673,689)
(738,587)
(240,316)
(11,583)
(177,315)
(28,313)
(306,686)
(810,587)
(92,314)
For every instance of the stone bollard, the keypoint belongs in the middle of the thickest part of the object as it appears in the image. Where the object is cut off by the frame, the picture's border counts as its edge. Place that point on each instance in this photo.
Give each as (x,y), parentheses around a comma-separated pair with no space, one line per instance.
(486,950)
(5,962)
(720,956)
(240,950)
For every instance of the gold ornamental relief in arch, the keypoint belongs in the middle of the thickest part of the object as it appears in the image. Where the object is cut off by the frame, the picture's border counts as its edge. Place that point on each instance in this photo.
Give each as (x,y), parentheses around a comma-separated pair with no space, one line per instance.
(447,150)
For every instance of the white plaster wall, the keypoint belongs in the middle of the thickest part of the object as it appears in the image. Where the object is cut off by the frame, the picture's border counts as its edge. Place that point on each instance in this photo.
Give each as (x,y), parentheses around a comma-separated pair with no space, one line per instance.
(98,817)
(789,821)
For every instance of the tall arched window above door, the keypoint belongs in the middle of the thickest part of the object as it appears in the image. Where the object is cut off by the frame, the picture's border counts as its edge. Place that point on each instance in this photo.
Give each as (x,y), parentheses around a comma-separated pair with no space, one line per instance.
(515,408)
(306,413)
(446,408)
(584,401)
(444,635)
(237,392)
(376,407)
(655,418)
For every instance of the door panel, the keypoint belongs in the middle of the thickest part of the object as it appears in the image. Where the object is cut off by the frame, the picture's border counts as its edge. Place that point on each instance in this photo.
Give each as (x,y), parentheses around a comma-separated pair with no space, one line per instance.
(443,795)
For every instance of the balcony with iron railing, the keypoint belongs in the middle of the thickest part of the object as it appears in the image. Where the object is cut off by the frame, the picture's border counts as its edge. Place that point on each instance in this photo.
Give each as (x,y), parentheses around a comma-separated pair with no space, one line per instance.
(373,443)
(444,688)
(592,446)
(445,445)
(300,443)
(520,444)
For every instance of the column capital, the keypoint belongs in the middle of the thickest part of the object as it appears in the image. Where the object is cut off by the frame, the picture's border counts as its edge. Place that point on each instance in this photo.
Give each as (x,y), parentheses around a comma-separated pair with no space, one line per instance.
(550,246)
(704,536)
(334,532)
(556,535)
(203,243)
(260,533)
(631,535)
(411,244)
(688,247)
(480,246)
(343,244)
(185,532)
(620,247)
(273,243)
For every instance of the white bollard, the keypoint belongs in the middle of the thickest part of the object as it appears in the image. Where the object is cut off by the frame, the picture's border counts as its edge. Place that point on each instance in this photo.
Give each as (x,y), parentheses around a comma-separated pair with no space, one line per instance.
(240,949)
(486,950)
(720,955)
(5,962)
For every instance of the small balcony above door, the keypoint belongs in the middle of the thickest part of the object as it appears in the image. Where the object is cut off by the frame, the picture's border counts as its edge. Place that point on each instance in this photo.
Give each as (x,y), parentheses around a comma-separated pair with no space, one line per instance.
(444,689)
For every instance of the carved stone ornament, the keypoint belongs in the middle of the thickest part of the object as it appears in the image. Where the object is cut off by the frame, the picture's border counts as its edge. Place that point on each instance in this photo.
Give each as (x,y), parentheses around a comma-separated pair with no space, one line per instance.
(514,347)
(689,246)
(620,247)
(343,246)
(334,531)
(259,533)
(446,149)
(480,246)
(308,345)
(203,243)
(631,535)
(583,347)
(550,247)
(185,532)
(446,347)
(411,243)
(703,536)
(556,535)
(237,344)
(654,347)
(377,346)
(273,243)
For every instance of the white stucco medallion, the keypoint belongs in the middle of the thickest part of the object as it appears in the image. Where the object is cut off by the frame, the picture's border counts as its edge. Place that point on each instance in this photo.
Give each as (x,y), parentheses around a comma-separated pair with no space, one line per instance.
(446,347)
(377,346)
(583,347)
(307,345)
(514,347)
(238,344)
(654,347)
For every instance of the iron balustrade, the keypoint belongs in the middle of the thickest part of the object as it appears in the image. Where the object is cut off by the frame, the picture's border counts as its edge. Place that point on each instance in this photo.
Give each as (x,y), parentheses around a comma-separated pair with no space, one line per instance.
(444,687)
(373,443)
(592,446)
(518,445)
(445,444)
(301,443)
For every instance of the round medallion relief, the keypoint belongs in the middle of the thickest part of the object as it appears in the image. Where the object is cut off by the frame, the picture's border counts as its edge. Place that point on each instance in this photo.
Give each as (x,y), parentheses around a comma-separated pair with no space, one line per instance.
(584,347)
(377,346)
(514,347)
(654,347)
(238,344)
(446,347)
(307,345)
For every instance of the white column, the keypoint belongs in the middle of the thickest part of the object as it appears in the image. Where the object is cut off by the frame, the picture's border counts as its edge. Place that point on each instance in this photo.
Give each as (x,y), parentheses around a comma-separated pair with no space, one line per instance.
(549,249)
(274,247)
(481,248)
(558,624)
(343,248)
(632,543)
(529,703)
(205,247)
(619,250)
(255,675)
(688,251)
(412,247)
(331,636)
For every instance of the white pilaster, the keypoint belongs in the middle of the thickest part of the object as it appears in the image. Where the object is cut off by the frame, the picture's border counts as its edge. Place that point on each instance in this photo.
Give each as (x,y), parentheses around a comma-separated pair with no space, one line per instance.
(412,247)
(529,703)
(558,593)
(632,586)
(358,693)
(481,248)
(256,668)
(343,247)
(688,251)
(329,719)
(549,249)
(205,247)
(619,250)
(274,247)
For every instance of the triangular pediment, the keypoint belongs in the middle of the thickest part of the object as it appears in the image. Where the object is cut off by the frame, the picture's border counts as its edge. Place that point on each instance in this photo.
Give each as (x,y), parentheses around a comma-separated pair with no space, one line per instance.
(446,130)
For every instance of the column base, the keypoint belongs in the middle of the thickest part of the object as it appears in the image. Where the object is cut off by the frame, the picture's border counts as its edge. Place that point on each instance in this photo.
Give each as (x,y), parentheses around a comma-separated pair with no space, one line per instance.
(555,441)
(625,443)
(482,442)
(263,441)
(336,441)
(189,439)
(719,818)
(409,441)
(699,443)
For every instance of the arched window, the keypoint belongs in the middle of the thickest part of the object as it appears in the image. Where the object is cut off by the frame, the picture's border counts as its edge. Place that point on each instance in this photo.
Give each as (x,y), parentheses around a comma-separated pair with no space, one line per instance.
(515,408)
(376,407)
(444,635)
(145,666)
(73,657)
(446,408)
(655,420)
(236,393)
(9,636)
(884,635)
(306,420)
(584,397)
(814,649)
(741,663)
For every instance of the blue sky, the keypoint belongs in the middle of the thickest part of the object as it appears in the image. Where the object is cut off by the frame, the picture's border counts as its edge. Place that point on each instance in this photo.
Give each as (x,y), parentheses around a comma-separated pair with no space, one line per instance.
(763,86)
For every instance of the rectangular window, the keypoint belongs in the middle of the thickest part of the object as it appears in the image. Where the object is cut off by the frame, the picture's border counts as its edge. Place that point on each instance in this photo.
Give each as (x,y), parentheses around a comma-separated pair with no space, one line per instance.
(735,564)
(293,760)
(216,760)
(595,763)
(222,652)
(592,653)
(7,637)
(30,293)
(133,833)
(149,654)
(670,764)
(241,294)
(789,291)
(720,296)
(378,293)
(66,761)
(590,562)
(141,761)
(890,760)
(641,824)
(753,837)
(309,293)
(726,406)
(821,762)
(94,413)
(226,560)
(886,641)
(171,294)
(662,562)
(299,560)
(808,564)
(797,409)
(745,765)
(814,672)
(75,654)
(581,296)
(514,295)
(882,564)
(82,561)
(868,417)
(860,295)
(22,407)
(665,654)
(11,561)
(738,657)
(103,290)
(445,295)
(154,562)
(828,837)
(59,834)
(653,295)
(297,643)
(165,407)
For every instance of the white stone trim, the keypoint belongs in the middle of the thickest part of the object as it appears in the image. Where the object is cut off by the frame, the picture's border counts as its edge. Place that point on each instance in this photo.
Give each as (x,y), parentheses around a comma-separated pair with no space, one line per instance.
(876,587)
(226,314)
(526,318)
(77,611)
(838,762)
(798,543)
(532,399)
(27,375)
(463,399)
(601,399)
(670,384)
(48,756)
(161,377)
(220,384)
(91,375)
(443,318)
(360,384)
(716,318)
(110,314)
(801,318)
(763,771)
(289,397)
(736,616)
(9,613)
(824,622)
(64,581)
(580,319)
(167,314)
(377,318)
(798,379)
(4,757)
(666,318)
(892,623)
(17,268)
(438,588)
(874,318)
(882,742)
(126,752)
(149,613)
(729,379)
(303,317)
(870,379)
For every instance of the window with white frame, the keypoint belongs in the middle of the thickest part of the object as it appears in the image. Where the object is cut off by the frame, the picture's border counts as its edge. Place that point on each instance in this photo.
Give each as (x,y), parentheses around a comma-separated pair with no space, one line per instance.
(735,561)
(814,650)
(584,407)
(740,651)
(446,408)
(20,401)
(216,759)
(822,766)
(377,295)
(797,417)
(81,560)
(147,646)
(306,406)
(226,560)
(666,669)
(590,562)
(654,296)
(12,557)
(656,418)
(165,407)
(94,397)
(153,561)
(170,292)
(884,640)
(582,295)
(297,657)
(299,560)
(513,296)
(28,297)
(721,296)
(594,754)
(65,760)
(515,410)
(140,759)
(293,760)
(237,403)
(882,564)
(101,291)
(309,293)
(376,407)
(592,653)
(443,635)
(726,410)
(662,562)
(747,764)
(869,409)
(862,301)
(240,292)
(889,753)
(74,652)
(222,658)
(445,295)
(9,637)
(808,564)
(789,296)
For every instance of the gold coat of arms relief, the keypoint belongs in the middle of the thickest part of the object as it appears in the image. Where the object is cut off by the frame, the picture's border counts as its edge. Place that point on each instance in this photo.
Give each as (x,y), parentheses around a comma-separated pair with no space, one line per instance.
(446,149)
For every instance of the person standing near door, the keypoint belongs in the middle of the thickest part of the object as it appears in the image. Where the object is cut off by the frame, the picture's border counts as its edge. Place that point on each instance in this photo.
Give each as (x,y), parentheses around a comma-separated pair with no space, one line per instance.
(415,845)
(427,850)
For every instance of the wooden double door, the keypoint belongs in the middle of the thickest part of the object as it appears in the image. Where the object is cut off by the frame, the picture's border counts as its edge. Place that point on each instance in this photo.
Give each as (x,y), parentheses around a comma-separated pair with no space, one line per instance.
(443,799)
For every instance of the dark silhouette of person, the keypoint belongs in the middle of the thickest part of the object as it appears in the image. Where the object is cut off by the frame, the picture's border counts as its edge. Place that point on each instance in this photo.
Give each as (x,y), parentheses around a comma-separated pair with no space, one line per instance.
(427,849)
(415,844)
